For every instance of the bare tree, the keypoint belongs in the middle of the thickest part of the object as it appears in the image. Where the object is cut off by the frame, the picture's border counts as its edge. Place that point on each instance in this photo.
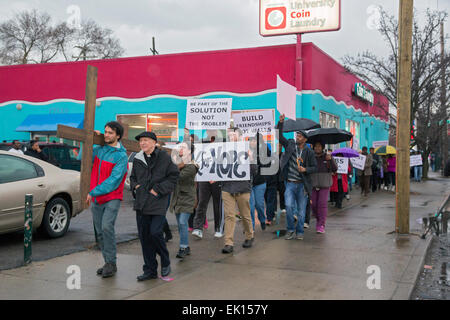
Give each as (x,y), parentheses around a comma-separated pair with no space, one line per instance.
(31,37)
(381,73)
(95,42)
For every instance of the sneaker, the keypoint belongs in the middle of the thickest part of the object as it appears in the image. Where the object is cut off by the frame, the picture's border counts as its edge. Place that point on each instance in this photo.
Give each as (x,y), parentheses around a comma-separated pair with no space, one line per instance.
(299,237)
(247,243)
(320,230)
(227,249)
(306,225)
(190,229)
(100,270)
(165,271)
(283,211)
(197,233)
(109,270)
(347,196)
(146,276)
(218,234)
(289,235)
(183,252)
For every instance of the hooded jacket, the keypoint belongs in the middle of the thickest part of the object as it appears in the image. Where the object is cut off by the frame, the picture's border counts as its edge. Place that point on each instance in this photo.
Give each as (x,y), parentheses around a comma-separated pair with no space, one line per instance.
(184,195)
(108,173)
(161,176)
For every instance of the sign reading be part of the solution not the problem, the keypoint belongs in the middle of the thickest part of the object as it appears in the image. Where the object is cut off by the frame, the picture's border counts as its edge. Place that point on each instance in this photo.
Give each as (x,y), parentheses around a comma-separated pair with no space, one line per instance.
(208,113)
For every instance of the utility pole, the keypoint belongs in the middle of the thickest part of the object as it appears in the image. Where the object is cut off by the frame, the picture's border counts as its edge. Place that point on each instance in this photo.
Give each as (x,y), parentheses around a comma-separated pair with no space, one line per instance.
(444,135)
(404,116)
(153,50)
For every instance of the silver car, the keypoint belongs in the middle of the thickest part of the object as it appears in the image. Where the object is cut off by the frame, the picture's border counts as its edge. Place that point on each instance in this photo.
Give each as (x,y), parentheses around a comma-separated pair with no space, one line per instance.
(56,194)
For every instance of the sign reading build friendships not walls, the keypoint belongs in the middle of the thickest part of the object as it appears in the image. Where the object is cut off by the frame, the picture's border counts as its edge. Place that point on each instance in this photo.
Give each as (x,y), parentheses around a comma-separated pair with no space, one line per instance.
(253,122)
(208,113)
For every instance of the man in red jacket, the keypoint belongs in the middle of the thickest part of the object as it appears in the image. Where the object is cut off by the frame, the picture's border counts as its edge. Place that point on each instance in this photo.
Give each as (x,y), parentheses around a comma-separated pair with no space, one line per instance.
(107,180)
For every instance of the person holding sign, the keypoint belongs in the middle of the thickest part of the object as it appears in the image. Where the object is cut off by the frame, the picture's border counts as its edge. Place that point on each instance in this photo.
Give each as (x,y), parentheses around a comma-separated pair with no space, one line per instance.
(321,183)
(297,165)
(237,193)
(340,180)
(365,174)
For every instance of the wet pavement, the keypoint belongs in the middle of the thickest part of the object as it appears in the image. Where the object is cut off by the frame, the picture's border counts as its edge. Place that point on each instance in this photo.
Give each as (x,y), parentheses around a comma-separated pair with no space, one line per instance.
(434,280)
(335,265)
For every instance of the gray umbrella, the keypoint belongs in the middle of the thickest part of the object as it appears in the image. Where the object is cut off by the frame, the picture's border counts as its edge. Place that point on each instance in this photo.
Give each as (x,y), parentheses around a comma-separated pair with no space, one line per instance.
(299,124)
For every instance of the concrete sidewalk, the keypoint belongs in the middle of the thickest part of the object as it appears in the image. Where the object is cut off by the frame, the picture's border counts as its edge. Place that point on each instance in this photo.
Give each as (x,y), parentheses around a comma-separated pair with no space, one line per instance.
(322,266)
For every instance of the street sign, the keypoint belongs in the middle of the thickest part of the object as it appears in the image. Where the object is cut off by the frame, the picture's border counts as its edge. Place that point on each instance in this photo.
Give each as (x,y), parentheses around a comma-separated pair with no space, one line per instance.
(280,17)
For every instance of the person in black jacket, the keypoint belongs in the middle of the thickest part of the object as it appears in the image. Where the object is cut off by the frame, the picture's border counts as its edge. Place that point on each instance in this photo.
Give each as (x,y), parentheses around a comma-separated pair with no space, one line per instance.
(297,165)
(153,178)
(35,151)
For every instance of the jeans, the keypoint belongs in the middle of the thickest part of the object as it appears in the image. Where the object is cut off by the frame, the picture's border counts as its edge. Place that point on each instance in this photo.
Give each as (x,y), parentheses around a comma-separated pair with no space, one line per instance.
(418,173)
(257,200)
(104,216)
(182,220)
(150,231)
(295,198)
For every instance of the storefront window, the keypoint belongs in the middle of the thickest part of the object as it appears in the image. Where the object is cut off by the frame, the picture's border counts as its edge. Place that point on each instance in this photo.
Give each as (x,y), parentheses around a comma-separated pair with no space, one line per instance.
(328,120)
(354,128)
(164,125)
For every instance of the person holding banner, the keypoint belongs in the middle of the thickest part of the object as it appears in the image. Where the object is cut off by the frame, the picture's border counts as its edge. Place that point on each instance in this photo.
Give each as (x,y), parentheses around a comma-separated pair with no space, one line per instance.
(238,193)
(340,183)
(259,184)
(184,196)
(321,182)
(297,165)
(206,190)
(365,174)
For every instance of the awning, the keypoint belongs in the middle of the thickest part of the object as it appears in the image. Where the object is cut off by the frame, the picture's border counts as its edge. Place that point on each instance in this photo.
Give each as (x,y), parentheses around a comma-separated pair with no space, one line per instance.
(49,122)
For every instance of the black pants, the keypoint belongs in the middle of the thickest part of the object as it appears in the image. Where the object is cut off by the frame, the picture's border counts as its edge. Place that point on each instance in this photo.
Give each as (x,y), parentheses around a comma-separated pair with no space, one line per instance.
(166,228)
(374,180)
(339,195)
(271,201)
(308,211)
(281,189)
(150,230)
(205,191)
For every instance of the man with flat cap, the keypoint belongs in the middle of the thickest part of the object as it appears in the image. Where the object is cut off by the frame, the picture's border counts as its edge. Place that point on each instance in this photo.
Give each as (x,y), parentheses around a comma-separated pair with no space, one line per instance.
(153,178)
(296,166)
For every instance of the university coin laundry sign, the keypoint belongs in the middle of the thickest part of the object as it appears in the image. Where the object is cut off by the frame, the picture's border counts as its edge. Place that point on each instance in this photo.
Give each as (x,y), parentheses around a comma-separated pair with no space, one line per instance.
(278,17)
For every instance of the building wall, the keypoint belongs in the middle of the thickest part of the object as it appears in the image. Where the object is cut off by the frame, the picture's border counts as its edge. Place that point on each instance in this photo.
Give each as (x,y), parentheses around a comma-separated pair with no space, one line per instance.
(159,84)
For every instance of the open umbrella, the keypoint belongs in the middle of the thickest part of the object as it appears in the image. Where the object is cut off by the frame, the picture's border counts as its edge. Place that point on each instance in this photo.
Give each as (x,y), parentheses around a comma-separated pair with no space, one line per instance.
(346,153)
(299,124)
(328,135)
(385,150)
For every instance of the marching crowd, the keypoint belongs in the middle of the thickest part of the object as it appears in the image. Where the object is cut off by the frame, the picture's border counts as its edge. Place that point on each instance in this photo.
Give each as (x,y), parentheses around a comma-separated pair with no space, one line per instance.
(306,179)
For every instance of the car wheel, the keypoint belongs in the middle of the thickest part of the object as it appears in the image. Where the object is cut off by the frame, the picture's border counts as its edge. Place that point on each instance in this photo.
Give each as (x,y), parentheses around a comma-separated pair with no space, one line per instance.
(56,218)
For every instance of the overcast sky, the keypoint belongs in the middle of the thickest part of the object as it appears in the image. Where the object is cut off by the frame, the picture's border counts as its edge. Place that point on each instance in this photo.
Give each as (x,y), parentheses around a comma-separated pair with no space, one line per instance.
(199,25)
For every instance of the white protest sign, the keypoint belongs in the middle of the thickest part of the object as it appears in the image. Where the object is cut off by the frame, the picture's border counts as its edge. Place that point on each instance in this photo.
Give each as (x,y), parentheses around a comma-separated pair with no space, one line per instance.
(342,164)
(286,99)
(252,122)
(377,144)
(415,160)
(222,161)
(359,162)
(208,113)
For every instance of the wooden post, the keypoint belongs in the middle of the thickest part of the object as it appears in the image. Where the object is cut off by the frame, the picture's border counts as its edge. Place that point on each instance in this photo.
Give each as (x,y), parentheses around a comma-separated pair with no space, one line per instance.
(444,135)
(404,115)
(89,120)
(28,229)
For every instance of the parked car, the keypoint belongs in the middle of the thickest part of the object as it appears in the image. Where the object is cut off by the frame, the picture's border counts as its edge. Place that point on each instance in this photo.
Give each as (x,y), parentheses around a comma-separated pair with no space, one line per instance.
(56,195)
(61,155)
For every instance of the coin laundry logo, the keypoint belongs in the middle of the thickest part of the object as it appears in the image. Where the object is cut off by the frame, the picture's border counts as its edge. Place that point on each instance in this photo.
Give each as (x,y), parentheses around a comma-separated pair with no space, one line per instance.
(275,18)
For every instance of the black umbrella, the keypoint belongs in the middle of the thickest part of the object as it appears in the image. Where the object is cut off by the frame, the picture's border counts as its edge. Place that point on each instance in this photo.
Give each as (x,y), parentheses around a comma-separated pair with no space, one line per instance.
(299,124)
(328,135)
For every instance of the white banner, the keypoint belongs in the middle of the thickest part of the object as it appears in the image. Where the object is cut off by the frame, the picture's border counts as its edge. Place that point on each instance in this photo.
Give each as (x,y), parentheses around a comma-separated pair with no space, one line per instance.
(359,162)
(222,161)
(415,160)
(377,144)
(208,113)
(342,164)
(252,122)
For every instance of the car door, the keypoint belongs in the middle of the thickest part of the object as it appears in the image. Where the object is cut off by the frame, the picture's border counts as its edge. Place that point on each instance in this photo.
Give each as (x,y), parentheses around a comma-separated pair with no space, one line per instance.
(19,177)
